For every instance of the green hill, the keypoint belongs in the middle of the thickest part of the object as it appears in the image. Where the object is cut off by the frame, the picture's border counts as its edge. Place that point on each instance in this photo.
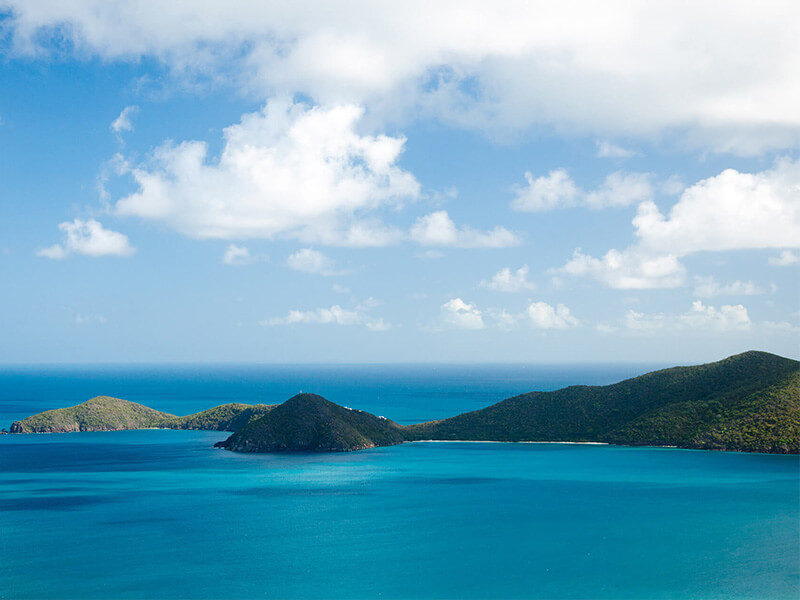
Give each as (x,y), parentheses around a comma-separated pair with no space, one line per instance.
(746,402)
(226,417)
(102,413)
(310,423)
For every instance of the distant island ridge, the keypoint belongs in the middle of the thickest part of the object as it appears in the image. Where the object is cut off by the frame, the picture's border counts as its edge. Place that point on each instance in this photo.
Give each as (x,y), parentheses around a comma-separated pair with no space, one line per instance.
(748,402)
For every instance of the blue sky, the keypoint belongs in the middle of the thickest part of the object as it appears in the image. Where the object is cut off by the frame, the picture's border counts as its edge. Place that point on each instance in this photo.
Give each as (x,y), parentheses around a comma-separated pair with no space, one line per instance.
(382,182)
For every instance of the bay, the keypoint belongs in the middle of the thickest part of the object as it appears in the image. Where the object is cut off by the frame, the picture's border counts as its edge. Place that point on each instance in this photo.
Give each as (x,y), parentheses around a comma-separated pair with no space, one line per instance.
(162,514)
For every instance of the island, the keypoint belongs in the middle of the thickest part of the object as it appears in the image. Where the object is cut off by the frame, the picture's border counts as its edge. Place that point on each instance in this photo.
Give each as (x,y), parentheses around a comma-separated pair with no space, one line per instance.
(104,413)
(310,423)
(748,402)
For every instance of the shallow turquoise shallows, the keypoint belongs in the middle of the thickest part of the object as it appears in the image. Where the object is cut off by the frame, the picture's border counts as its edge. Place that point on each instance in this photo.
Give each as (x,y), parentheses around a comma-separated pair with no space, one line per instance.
(162,514)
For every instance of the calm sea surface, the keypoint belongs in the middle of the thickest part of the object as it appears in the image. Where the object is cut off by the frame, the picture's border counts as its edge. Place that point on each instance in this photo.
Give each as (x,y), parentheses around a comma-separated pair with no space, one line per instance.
(161,514)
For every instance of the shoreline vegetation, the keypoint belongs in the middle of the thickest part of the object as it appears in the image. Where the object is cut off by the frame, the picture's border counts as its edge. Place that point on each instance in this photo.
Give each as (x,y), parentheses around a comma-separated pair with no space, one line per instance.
(748,402)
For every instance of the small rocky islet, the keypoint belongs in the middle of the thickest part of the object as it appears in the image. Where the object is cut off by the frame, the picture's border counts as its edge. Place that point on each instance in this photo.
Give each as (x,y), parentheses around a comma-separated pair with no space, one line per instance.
(748,402)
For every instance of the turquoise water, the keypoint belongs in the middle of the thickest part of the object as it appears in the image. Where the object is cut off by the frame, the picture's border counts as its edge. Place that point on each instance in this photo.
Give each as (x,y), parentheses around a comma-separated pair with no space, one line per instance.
(161,514)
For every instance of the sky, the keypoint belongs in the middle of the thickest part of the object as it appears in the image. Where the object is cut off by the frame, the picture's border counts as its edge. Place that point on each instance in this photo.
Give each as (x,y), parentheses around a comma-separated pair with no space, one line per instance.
(447,182)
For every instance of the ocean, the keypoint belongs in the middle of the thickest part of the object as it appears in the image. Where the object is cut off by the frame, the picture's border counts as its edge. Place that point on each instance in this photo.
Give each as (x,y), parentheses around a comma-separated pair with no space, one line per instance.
(162,514)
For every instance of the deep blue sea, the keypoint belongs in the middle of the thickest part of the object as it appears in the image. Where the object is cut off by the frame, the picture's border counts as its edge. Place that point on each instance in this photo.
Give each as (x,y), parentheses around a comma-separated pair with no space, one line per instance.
(162,514)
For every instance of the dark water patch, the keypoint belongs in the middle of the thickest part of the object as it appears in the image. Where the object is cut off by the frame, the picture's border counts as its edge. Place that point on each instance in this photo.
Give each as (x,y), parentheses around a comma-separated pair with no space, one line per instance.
(145,520)
(91,457)
(55,503)
(452,480)
(57,490)
(293,491)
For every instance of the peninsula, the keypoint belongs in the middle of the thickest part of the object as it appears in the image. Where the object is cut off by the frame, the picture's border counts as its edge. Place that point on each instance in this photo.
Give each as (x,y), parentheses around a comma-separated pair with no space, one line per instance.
(747,402)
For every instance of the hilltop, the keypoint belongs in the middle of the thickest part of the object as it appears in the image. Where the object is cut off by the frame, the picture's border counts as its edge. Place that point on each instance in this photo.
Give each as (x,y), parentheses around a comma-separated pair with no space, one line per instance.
(310,423)
(102,413)
(747,402)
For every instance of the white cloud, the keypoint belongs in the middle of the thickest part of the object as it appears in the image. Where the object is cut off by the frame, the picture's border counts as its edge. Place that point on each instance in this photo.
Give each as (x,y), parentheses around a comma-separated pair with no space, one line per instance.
(554,190)
(503,319)
(727,317)
(620,189)
(698,317)
(608,150)
(731,211)
(630,269)
(719,74)
(288,170)
(438,229)
(779,327)
(507,281)
(457,313)
(460,315)
(123,121)
(708,287)
(88,238)
(558,190)
(312,261)
(787,258)
(545,316)
(237,255)
(335,315)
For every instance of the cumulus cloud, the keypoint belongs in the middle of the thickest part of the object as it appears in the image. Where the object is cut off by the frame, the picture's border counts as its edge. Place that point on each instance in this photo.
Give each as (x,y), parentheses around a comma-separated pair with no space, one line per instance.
(540,315)
(721,74)
(708,287)
(123,121)
(554,190)
(731,211)
(457,313)
(608,150)
(506,280)
(620,189)
(630,269)
(558,190)
(787,258)
(545,316)
(288,170)
(335,315)
(237,255)
(311,261)
(88,238)
(438,229)
(699,316)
